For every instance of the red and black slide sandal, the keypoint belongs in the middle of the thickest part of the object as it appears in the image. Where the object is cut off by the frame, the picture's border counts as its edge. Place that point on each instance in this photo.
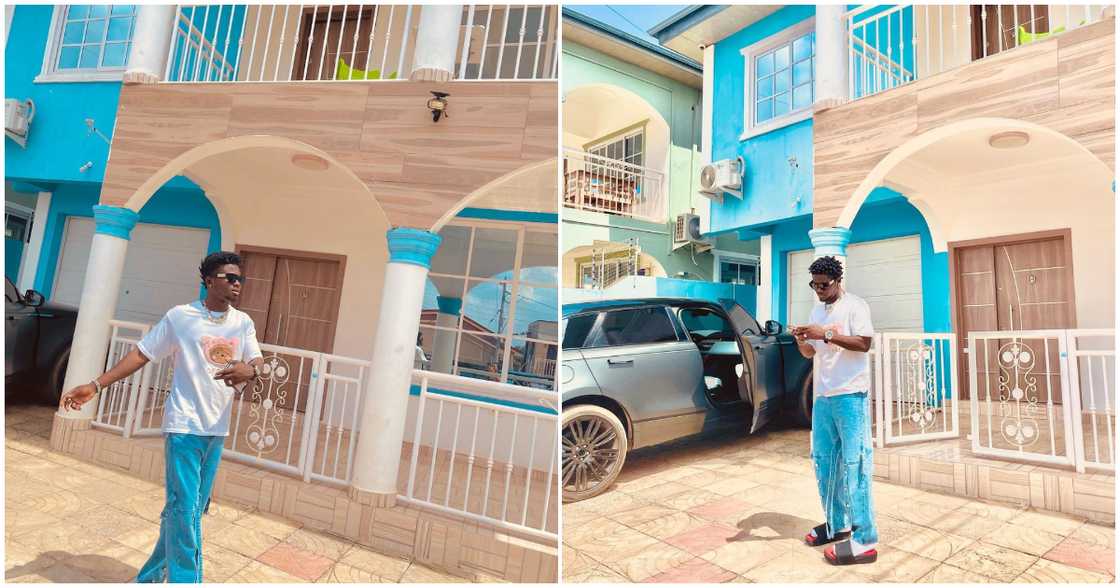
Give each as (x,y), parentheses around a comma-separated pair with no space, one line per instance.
(822,538)
(841,555)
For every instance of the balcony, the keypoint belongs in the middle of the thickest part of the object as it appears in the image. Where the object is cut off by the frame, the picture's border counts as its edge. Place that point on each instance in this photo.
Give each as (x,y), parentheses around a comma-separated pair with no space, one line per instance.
(890,46)
(294,43)
(611,186)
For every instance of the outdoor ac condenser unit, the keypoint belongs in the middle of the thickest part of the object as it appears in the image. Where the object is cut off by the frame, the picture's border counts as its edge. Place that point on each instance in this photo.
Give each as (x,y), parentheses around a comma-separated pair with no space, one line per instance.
(725,175)
(687,232)
(17,119)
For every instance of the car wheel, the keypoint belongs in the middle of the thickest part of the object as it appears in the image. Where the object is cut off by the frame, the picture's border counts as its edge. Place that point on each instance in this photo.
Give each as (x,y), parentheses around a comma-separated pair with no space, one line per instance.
(53,391)
(595,445)
(804,413)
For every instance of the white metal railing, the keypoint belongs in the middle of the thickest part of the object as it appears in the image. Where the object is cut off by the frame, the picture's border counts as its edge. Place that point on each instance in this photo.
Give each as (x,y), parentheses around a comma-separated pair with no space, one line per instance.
(892,45)
(602,184)
(919,386)
(1034,394)
(492,463)
(330,42)
(115,404)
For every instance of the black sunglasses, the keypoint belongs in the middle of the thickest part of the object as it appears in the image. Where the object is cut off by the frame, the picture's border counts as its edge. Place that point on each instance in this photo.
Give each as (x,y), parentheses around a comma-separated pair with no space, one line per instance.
(819,286)
(231,278)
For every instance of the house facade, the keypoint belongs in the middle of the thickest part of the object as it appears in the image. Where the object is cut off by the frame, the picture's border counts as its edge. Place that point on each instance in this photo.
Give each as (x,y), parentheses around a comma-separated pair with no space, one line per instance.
(631,138)
(959,160)
(387,174)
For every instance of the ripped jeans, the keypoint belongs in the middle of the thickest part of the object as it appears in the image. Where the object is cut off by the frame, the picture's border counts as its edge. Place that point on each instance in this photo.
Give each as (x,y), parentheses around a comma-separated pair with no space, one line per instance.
(841,453)
(191,462)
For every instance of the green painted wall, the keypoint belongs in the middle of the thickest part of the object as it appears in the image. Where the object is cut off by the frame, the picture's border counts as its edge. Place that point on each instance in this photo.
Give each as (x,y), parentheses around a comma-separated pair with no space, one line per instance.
(681,107)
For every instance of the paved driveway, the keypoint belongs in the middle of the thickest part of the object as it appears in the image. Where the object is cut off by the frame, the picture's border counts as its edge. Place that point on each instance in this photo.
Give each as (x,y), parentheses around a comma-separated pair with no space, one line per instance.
(71,521)
(736,510)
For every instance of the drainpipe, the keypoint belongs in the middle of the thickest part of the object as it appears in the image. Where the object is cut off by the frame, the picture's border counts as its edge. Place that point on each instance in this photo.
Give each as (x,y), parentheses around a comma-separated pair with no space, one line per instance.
(151,41)
(437,40)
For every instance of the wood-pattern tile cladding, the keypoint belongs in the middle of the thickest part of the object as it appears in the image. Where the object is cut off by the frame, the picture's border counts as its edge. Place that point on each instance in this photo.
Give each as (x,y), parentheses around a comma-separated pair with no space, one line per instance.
(383,132)
(1066,83)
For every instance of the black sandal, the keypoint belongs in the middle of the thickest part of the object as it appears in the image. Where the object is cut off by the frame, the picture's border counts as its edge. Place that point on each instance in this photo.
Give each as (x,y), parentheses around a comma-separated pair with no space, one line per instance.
(842,555)
(822,538)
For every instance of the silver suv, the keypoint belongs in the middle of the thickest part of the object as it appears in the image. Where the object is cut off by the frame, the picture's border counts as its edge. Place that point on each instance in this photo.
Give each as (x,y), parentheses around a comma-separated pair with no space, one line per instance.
(641,372)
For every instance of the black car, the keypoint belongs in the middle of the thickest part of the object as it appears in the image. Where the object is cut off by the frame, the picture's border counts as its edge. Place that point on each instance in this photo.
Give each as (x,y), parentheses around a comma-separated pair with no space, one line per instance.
(37,338)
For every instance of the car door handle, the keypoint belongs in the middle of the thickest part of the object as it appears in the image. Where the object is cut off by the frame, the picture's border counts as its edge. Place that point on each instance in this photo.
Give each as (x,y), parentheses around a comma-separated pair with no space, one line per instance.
(620,362)
(757,347)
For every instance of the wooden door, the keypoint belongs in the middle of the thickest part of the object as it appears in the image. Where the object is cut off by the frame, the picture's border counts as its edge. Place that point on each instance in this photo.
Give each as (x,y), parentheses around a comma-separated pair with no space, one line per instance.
(293,299)
(323,26)
(994,26)
(1018,284)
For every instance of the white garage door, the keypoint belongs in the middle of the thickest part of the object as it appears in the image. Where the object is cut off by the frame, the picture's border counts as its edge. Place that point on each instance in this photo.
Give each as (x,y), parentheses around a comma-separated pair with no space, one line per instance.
(160,270)
(887,274)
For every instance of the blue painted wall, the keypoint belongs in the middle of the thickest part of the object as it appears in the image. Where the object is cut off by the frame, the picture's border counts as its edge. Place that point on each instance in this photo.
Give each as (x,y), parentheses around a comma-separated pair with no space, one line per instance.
(169,206)
(773,189)
(700,290)
(885,215)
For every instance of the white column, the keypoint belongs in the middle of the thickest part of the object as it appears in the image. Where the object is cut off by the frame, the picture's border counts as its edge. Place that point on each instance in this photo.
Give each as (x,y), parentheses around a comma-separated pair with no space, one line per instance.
(766,281)
(99,301)
(705,210)
(443,347)
(151,41)
(378,453)
(27,268)
(437,41)
(831,241)
(832,56)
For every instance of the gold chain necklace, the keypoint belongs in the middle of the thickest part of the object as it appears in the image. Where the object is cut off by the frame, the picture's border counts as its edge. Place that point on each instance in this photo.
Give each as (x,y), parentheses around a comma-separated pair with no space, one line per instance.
(210,315)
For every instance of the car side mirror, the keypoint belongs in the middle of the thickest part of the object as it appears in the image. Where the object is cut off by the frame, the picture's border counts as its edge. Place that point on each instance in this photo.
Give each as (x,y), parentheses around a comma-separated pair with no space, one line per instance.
(33,299)
(774,328)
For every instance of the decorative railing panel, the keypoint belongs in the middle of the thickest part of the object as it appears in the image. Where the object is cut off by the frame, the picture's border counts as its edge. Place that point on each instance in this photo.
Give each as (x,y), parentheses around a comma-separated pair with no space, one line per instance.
(919,379)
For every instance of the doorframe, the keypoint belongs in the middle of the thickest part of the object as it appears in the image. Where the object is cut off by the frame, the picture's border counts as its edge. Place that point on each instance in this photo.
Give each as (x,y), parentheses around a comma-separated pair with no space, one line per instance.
(955,325)
(241,248)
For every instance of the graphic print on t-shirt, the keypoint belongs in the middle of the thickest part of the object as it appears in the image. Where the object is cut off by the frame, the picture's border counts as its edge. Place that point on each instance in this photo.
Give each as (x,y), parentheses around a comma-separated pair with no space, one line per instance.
(219,350)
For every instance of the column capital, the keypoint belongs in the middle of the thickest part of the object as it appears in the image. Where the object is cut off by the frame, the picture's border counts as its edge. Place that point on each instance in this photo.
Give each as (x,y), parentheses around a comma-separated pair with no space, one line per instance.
(114,221)
(830,241)
(412,246)
(449,305)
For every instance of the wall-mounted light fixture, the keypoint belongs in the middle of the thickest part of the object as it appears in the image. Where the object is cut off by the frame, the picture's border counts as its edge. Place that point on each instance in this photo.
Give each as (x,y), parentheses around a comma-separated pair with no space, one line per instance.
(438,105)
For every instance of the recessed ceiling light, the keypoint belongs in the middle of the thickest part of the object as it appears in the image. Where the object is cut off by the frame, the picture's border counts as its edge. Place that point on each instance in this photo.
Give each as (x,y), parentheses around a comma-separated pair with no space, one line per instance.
(1009,140)
(309,162)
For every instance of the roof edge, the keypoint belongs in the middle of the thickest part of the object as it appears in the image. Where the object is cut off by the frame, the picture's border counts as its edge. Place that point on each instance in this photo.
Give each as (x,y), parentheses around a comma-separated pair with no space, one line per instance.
(675,25)
(623,36)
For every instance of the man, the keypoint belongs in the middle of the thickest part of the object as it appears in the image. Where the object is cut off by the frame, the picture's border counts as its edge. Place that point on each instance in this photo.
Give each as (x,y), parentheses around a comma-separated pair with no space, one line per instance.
(838,339)
(215,349)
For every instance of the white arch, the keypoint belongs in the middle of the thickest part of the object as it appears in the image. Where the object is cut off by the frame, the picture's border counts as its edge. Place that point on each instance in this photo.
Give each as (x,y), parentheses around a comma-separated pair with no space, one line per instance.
(879,173)
(185,160)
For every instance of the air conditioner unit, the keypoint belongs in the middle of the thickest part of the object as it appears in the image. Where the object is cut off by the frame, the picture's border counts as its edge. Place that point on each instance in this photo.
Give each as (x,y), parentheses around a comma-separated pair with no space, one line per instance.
(17,119)
(687,232)
(725,175)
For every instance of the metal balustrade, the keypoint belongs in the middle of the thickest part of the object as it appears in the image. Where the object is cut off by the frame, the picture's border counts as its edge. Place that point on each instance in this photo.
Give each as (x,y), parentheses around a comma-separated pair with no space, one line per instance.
(601,184)
(354,42)
(892,45)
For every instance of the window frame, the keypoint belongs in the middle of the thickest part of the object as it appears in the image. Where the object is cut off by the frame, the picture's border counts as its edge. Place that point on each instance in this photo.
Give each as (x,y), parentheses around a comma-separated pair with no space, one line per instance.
(49,73)
(750,53)
(506,336)
(620,136)
(719,256)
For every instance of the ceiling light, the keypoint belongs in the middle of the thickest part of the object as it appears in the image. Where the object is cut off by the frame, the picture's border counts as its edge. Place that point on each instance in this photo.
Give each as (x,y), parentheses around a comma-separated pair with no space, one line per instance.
(309,162)
(1009,140)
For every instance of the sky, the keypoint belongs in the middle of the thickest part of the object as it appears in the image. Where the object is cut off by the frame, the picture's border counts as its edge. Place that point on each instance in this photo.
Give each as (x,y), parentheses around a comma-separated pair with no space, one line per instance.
(635,19)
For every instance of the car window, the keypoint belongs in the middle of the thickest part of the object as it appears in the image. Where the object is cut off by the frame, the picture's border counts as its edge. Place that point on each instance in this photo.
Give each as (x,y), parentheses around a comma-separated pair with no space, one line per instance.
(705,321)
(575,330)
(10,292)
(634,326)
(744,323)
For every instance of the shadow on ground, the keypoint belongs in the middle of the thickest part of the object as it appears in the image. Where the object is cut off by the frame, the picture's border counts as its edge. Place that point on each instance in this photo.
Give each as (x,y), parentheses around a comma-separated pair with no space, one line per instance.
(44,566)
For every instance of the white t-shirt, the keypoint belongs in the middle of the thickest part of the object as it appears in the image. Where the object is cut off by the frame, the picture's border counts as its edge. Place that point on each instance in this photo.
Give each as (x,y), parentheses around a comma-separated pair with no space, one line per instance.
(198,404)
(837,370)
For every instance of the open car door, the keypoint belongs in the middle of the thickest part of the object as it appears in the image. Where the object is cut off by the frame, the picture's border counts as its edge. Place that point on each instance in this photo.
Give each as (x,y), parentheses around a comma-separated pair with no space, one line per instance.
(761,378)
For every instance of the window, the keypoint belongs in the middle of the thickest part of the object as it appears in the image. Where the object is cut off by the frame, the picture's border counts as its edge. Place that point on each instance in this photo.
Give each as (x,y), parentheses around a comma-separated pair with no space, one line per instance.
(89,42)
(635,326)
(10,292)
(603,274)
(779,79)
(743,321)
(629,148)
(576,330)
(708,323)
(491,302)
(738,272)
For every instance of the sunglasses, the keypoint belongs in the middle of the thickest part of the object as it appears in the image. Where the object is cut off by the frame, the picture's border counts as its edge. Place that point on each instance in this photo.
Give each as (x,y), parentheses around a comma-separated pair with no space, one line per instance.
(232,278)
(819,286)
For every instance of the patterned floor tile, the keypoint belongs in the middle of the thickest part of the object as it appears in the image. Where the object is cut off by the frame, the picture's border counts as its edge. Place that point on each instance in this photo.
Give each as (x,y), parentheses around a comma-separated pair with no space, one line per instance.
(1050,572)
(1083,555)
(703,539)
(1025,539)
(694,571)
(297,562)
(999,563)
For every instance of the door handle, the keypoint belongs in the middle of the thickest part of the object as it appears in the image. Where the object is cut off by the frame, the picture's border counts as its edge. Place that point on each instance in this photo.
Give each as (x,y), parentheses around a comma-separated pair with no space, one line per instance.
(758,348)
(620,362)
(279,324)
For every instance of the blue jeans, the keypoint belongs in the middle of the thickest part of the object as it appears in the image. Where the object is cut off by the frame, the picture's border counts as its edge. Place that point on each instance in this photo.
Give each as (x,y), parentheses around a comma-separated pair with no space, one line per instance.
(841,453)
(191,463)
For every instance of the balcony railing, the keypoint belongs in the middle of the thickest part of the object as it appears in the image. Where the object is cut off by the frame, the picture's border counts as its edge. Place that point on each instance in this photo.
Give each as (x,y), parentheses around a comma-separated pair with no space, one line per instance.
(612,186)
(289,43)
(892,45)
